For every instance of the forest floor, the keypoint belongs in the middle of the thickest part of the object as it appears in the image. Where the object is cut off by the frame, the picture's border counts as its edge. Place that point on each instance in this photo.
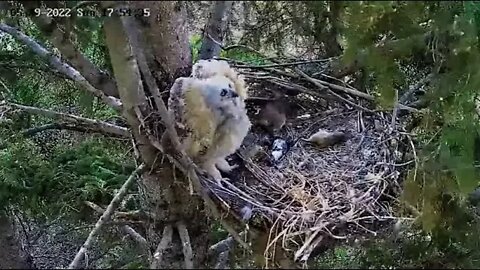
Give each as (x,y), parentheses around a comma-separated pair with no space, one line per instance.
(10,257)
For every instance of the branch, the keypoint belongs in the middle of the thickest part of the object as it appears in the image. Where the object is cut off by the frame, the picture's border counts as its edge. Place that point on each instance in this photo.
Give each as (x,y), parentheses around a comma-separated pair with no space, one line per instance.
(322,84)
(166,240)
(297,63)
(60,66)
(223,245)
(187,247)
(318,84)
(61,40)
(32,131)
(80,122)
(105,216)
(125,228)
(348,90)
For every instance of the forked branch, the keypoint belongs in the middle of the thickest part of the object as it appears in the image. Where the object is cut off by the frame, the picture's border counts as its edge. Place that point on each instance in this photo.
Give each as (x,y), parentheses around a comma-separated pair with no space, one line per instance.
(60,66)
(77,121)
(62,41)
(125,228)
(105,217)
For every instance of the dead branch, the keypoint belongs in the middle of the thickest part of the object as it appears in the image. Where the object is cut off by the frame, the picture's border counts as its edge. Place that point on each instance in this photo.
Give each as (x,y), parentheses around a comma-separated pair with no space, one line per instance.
(61,66)
(61,40)
(66,126)
(348,90)
(187,247)
(105,217)
(164,243)
(223,245)
(297,63)
(395,109)
(321,85)
(125,229)
(318,84)
(77,121)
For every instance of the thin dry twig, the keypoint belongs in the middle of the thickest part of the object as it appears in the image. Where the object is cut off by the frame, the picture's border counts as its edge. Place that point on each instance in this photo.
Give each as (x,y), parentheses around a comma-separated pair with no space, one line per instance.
(125,228)
(105,217)
(92,124)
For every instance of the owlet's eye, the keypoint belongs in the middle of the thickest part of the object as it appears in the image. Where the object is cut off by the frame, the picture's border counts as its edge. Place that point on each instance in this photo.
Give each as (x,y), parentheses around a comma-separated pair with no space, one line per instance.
(224,92)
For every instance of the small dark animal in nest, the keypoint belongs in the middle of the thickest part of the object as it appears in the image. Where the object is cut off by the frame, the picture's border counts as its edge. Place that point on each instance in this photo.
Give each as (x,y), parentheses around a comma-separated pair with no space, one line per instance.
(273,116)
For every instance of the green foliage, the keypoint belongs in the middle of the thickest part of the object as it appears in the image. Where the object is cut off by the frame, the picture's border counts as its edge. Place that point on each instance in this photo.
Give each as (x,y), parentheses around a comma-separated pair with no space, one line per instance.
(87,172)
(245,55)
(195,45)
(411,248)
(239,54)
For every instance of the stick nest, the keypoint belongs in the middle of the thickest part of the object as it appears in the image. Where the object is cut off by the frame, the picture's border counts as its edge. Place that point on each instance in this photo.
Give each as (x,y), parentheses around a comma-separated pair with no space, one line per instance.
(312,193)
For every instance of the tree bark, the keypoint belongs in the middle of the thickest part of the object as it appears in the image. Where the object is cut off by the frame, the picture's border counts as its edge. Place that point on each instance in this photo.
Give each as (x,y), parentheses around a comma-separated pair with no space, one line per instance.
(332,47)
(167,193)
(215,30)
(165,31)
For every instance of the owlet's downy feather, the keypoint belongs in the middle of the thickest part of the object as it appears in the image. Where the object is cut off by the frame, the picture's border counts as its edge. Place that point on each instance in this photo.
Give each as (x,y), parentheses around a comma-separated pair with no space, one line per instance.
(204,69)
(212,116)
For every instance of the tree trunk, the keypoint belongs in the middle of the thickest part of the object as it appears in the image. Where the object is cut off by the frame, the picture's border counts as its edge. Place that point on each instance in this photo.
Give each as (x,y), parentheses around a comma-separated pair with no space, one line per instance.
(167,193)
(165,32)
(215,30)
(332,47)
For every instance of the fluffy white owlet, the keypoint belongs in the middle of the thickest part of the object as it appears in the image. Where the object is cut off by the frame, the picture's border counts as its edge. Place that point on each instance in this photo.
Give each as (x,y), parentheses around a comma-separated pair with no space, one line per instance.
(211,119)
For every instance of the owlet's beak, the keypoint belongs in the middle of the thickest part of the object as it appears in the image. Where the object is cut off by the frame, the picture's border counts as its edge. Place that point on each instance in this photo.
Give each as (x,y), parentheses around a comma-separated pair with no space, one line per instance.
(233,94)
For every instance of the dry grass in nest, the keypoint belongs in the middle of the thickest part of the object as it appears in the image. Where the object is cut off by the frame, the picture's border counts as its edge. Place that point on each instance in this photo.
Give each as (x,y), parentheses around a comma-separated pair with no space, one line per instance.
(313,192)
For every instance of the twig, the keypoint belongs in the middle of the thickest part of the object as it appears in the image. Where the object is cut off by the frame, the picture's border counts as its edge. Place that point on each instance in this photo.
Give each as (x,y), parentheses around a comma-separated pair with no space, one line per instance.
(348,90)
(61,66)
(105,217)
(406,108)
(186,244)
(298,63)
(162,246)
(318,84)
(125,228)
(92,124)
(395,110)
